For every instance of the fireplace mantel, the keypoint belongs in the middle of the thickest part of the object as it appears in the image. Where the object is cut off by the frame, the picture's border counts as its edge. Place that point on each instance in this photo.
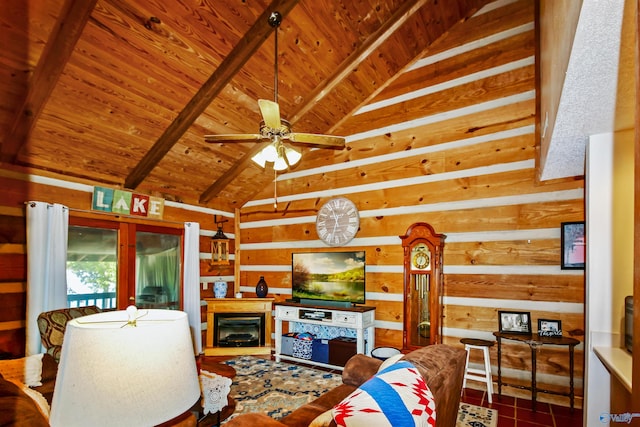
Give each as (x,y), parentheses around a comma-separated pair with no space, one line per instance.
(238,305)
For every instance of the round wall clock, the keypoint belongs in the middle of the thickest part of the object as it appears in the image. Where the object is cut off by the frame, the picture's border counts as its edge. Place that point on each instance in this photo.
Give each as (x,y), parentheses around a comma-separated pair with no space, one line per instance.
(337,221)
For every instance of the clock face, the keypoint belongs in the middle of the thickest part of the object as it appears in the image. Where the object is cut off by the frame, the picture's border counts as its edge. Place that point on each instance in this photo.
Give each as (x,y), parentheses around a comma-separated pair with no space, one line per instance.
(337,221)
(421,257)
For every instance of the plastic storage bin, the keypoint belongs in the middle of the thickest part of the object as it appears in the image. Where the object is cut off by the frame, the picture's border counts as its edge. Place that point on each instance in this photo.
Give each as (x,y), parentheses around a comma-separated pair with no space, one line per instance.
(287,343)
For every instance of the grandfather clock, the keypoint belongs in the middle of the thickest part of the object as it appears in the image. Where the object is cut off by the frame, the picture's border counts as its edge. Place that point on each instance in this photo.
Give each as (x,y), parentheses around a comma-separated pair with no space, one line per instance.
(423,282)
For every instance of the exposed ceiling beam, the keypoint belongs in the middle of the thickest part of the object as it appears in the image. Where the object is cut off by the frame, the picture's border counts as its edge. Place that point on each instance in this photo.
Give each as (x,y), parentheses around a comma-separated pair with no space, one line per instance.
(232,64)
(57,51)
(360,54)
(230,174)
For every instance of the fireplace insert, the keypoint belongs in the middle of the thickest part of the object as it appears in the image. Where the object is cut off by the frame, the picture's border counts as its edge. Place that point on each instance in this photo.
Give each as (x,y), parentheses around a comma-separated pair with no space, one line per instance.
(238,329)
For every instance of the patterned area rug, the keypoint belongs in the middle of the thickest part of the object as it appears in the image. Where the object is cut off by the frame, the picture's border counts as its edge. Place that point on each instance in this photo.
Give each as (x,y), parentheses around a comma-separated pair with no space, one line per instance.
(476,416)
(278,388)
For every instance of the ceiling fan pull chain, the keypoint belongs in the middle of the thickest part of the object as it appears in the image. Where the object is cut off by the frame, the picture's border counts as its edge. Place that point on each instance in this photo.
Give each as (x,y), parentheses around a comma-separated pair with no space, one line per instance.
(275,189)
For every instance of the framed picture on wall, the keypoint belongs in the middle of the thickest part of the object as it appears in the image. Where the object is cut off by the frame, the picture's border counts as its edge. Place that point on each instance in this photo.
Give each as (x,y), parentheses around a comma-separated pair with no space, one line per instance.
(515,322)
(572,245)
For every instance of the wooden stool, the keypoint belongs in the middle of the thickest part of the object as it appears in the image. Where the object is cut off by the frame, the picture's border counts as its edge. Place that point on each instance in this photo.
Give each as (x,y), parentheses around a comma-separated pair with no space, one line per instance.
(482,375)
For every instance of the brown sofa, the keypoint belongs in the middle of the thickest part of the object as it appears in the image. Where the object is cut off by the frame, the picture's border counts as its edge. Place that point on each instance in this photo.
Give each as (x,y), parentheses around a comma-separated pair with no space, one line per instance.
(441,366)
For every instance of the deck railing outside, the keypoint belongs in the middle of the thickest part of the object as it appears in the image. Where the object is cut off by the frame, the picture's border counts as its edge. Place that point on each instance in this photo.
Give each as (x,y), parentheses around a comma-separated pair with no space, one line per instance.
(104,300)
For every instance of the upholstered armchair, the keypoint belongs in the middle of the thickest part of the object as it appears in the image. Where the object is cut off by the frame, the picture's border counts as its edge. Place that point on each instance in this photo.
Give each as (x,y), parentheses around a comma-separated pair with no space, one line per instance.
(52,325)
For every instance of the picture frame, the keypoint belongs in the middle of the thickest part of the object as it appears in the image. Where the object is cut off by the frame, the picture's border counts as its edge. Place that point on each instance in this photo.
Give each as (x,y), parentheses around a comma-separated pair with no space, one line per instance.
(572,245)
(514,322)
(549,328)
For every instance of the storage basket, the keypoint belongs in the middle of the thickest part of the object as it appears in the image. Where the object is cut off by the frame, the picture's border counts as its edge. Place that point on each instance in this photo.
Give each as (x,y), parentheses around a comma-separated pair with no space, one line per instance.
(302,348)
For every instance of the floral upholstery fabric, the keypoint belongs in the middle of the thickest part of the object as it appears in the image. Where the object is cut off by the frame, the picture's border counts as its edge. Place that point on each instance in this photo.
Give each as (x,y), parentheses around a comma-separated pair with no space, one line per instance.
(52,325)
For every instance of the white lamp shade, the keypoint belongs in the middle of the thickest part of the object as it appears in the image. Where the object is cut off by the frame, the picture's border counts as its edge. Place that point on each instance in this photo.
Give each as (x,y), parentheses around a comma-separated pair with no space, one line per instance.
(115,374)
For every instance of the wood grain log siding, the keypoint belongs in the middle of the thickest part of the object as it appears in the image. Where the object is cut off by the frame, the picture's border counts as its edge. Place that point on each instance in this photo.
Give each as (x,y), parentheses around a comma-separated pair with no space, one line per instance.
(468,168)
(12,282)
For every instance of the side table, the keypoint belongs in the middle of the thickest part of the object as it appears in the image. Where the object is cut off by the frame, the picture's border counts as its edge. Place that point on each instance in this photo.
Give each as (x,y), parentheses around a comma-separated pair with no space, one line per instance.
(211,366)
(534,342)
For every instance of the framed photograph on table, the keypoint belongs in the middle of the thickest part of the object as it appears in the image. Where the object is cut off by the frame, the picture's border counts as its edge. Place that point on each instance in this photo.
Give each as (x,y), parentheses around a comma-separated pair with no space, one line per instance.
(572,245)
(549,328)
(514,322)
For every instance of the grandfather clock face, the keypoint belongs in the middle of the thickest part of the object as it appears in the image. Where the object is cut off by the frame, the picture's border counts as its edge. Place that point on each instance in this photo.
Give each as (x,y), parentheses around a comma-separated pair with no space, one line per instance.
(421,257)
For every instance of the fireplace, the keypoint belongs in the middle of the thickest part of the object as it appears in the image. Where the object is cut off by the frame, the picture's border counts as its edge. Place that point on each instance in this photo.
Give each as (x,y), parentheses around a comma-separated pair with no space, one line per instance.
(245,328)
(238,329)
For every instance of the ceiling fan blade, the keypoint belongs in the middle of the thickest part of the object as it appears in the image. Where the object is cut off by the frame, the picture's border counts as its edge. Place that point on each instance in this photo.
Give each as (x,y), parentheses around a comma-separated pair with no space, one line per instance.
(270,113)
(317,140)
(240,137)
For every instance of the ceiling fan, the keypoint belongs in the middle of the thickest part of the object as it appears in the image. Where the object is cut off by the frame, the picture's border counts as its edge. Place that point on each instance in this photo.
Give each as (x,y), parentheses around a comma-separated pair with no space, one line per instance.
(277,130)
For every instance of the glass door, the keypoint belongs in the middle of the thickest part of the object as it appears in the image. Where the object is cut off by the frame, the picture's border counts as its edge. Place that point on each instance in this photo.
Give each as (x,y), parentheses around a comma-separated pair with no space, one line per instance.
(157,270)
(92,266)
(113,264)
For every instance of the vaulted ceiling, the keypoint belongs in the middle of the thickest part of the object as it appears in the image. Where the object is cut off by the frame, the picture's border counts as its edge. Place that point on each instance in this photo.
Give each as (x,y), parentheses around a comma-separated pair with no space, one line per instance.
(120,93)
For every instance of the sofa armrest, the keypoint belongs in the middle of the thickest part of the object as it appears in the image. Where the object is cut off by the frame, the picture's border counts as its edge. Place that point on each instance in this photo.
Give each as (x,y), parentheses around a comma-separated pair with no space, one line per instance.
(253,419)
(442,367)
(359,368)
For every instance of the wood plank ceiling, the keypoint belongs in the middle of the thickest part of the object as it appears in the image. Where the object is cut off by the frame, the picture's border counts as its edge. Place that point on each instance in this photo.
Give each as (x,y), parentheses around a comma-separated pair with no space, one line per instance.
(120,93)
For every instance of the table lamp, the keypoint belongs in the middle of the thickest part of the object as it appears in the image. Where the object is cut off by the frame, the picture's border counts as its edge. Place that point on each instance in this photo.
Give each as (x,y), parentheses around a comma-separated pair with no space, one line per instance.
(125,368)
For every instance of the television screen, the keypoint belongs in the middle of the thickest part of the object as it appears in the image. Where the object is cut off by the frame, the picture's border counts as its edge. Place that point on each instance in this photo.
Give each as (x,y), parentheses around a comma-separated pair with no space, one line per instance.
(329,276)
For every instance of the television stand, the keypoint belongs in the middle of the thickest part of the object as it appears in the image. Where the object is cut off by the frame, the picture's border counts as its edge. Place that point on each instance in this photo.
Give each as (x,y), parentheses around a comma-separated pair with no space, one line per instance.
(360,318)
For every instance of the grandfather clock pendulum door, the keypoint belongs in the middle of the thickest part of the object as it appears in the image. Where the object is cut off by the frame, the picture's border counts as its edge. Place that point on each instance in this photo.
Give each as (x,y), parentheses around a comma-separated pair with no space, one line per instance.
(423,281)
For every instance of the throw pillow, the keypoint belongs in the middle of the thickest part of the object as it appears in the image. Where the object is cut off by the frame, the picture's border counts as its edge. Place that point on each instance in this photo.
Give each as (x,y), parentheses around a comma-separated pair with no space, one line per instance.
(390,361)
(26,370)
(396,397)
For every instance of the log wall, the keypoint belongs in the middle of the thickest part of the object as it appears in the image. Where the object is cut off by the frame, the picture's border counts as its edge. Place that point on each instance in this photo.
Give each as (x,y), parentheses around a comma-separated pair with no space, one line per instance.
(460,154)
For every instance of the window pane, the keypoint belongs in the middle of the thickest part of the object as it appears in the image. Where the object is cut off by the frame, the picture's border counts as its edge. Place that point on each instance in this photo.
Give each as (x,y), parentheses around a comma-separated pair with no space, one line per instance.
(157,270)
(92,269)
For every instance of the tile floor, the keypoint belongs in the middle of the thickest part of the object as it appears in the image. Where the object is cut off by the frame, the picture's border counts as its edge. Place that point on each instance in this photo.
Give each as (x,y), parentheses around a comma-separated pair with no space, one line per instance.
(516,412)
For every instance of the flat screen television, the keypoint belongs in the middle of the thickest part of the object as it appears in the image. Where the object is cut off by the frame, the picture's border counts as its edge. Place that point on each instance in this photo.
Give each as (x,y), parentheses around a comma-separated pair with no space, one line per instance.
(328,278)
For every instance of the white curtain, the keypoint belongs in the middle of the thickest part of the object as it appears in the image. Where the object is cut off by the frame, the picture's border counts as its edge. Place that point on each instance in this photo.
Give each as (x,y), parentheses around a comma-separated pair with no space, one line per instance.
(192,282)
(47,234)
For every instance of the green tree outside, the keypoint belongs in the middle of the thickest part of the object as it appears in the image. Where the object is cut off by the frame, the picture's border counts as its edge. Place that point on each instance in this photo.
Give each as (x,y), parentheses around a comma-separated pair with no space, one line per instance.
(99,276)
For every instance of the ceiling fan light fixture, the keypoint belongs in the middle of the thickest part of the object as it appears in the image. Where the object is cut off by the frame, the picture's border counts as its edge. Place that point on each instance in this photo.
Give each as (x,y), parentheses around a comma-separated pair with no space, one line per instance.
(259,159)
(280,155)
(270,153)
(293,155)
(280,164)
